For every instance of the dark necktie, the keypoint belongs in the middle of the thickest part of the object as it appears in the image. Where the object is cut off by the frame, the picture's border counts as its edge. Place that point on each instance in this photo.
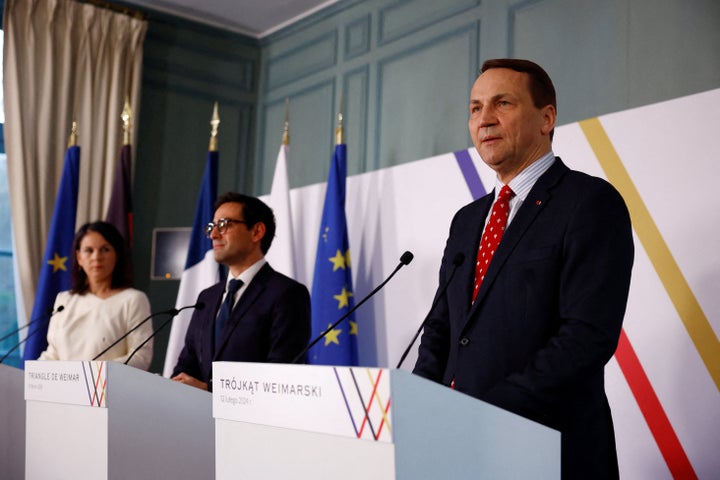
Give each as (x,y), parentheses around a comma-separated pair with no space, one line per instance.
(225,310)
(492,235)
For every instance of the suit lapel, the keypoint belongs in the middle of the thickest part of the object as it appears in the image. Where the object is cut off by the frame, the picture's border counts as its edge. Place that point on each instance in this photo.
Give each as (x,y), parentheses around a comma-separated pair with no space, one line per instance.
(207,334)
(535,201)
(248,298)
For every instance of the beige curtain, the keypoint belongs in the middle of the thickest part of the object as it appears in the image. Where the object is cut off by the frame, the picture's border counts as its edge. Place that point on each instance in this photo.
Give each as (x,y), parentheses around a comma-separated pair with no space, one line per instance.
(63,61)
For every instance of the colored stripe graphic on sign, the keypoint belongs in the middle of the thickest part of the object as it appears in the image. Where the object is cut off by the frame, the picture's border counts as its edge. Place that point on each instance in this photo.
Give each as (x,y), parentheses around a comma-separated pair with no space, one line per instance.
(366,404)
(95,383)
(378,400)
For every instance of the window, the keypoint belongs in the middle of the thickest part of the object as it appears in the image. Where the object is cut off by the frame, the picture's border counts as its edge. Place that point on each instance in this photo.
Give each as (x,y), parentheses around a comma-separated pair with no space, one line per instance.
(8,312)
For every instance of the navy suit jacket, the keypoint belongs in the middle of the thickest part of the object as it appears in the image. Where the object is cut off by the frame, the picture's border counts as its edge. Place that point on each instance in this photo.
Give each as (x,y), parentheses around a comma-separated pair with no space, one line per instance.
(270,323)
(547,317)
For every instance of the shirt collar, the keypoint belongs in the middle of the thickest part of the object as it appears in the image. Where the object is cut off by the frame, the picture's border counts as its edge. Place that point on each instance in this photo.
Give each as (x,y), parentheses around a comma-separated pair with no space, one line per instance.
(524,181)
(247,275)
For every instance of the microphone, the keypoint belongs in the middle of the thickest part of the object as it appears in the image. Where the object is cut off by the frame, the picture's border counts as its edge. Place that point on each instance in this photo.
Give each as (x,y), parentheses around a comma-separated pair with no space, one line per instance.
(405,259)
(458,259)
(173,312)
(49,313)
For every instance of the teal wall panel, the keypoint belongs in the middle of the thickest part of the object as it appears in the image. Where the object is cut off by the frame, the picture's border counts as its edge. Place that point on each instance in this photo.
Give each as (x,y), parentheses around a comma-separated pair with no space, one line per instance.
(418,60)
(422,111)
(357,37)
(355,107)
(311,117)
(407,17)
(320,53)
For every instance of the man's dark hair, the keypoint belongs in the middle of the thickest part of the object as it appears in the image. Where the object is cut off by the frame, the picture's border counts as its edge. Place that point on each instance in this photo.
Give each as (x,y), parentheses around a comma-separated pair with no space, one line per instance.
(254,211)
(542,90)
(120,275)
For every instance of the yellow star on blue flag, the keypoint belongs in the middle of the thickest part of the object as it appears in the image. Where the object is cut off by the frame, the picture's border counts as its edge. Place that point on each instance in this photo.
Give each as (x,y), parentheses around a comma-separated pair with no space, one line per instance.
(343,298)
(338,260)
(332,336)
(58,263)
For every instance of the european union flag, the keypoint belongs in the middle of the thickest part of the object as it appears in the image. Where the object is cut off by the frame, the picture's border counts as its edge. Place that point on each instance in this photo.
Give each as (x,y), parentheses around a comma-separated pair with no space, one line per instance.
(332,290)
(57,261)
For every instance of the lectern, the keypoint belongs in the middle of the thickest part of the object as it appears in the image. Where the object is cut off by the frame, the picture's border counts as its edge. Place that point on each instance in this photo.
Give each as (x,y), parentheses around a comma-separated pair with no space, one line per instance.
(102,420)
(12,423)
(316,422)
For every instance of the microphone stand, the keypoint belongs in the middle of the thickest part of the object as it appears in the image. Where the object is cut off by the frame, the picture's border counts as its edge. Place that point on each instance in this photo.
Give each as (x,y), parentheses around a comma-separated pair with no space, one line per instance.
(173,313)
(405,259)
(457,261)
(30,334)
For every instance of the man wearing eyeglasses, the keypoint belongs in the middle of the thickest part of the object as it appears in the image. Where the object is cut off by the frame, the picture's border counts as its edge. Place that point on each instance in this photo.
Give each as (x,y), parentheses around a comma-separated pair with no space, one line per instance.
(256,314)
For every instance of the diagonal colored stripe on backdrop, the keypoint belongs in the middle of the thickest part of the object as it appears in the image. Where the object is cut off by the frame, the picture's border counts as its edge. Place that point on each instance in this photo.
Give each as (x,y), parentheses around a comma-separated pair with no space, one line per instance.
(671,276)
(470,173)
(651,408)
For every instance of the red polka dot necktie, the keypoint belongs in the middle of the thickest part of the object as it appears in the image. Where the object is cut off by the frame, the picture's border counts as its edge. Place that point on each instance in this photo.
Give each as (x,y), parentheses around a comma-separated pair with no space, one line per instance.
(492,235)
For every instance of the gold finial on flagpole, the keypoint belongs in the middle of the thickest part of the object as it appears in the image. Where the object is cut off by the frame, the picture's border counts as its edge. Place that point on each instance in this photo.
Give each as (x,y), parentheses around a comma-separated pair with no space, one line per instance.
(214,123)
(126,116)
(286,130)
(339,134)
(72,140)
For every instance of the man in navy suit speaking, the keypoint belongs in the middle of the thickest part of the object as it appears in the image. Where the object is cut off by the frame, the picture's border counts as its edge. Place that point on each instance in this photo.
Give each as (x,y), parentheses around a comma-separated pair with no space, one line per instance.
(534,312)
(256,314)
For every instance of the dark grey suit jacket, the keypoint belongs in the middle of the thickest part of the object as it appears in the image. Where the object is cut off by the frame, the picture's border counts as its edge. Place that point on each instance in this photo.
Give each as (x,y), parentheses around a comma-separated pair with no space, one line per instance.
(548,314)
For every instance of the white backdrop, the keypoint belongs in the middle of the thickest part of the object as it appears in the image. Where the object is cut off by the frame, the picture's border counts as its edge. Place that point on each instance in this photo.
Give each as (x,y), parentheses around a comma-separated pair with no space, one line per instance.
(668,150)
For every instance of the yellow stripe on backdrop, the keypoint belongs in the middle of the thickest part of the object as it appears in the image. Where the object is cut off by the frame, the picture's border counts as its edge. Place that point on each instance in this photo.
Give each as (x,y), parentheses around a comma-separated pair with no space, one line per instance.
(671,276)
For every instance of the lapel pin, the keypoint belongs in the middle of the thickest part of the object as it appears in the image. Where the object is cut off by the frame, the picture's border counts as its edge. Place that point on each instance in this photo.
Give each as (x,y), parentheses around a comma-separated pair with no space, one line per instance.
(538,202)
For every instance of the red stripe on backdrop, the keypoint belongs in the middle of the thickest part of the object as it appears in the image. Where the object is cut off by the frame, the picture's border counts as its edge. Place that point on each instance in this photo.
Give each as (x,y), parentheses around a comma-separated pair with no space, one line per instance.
(651,408)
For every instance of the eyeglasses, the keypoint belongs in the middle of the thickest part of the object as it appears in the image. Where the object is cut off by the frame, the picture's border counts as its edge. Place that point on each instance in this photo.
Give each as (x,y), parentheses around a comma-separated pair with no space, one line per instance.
(222,225)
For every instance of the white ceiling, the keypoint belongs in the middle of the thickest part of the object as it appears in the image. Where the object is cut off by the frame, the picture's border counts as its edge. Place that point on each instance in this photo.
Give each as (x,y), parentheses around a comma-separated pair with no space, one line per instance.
(255,18)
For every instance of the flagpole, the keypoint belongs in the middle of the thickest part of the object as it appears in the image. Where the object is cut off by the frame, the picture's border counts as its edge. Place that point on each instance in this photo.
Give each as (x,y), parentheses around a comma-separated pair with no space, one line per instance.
(214,125)
(339,131)
(286,129)
(201,270)
(72,138)
(126,117)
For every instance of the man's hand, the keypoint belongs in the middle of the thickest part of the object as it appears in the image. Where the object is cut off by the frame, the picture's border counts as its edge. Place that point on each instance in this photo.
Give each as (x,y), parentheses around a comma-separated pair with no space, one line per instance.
(188,380)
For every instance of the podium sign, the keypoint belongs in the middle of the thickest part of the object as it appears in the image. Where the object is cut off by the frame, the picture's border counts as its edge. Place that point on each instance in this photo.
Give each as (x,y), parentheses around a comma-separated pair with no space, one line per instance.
(101,420)
(319,422)
(353,402)
(72,383)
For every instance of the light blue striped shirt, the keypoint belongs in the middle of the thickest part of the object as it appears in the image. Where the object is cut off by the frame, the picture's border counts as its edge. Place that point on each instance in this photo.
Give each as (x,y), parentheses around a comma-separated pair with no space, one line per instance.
(523,183)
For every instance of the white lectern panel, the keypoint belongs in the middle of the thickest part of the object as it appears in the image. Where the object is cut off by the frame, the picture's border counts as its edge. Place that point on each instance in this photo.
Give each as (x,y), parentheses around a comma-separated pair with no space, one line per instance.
(316,422)
(104,420)
(12,423)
